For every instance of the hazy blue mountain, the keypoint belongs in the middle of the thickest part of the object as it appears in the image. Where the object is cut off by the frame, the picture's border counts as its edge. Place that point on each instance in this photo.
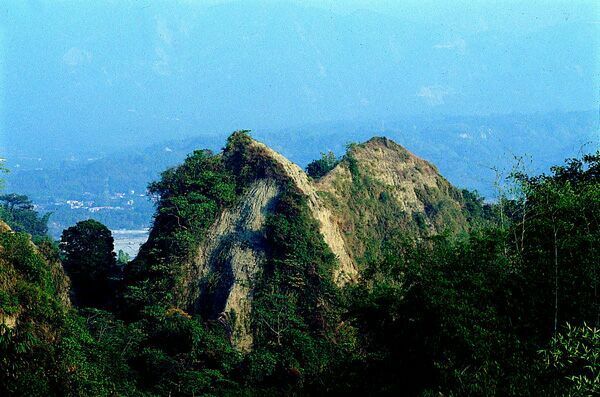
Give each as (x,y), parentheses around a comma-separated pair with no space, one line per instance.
(98,99)
(465,149)
(123,74)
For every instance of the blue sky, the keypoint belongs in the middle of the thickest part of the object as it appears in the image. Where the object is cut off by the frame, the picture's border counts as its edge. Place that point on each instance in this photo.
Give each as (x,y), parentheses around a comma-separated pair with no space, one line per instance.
(123,73)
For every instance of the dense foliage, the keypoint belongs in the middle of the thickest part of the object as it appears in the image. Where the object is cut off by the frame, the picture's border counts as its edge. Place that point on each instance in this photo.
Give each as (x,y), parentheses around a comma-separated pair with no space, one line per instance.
(18,212)
(322,166)
(189,199)
(88,258)
(507,307)
(41,339)
(468,315)
(297,307)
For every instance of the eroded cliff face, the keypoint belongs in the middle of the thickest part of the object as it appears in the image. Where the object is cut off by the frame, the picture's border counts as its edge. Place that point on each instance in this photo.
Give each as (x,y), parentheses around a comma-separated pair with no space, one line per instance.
(228,262)
(403,174)
(223,275)
(381,188)
(328,224)
(360,200)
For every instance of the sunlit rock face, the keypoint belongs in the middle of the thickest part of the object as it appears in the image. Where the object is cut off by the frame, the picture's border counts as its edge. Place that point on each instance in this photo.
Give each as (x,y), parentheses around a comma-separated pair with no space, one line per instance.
(375,189)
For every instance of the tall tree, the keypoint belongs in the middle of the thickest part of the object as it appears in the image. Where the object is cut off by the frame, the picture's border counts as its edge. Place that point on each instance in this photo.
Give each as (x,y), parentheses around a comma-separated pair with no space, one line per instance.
(88,257)
(19,212)
(322,166)
(561,248)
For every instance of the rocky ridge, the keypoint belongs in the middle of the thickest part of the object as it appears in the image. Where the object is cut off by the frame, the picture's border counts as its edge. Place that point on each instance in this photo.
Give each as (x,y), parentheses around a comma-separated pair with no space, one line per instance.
(377,188)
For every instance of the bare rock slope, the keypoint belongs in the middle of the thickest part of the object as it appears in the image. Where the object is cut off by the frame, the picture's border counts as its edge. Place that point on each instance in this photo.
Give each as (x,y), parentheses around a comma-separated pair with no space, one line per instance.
(235,247)
(376,189)
(380,188)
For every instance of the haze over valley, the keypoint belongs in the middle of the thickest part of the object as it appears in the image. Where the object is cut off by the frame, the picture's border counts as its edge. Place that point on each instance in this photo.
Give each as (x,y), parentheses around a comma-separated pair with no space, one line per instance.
(470,151)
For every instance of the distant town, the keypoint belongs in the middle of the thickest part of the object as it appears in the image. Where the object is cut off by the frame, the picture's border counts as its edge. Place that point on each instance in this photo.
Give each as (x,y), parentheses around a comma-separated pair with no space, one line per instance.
(128,214)
(124,200)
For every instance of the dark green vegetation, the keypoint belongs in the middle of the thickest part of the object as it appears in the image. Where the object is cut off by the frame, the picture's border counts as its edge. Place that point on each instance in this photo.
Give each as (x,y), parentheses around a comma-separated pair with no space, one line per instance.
(468,315)
(299,336)
(18,212)
(504,305)
(88,258)
(190,198)
(48,348)
(322,166)
(297,306)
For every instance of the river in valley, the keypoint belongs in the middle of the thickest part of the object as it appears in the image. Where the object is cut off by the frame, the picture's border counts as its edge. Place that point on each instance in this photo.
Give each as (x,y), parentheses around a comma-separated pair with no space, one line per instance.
(130,241)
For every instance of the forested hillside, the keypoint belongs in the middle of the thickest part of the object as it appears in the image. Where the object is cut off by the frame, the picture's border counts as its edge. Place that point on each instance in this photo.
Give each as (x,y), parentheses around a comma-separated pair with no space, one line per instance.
(368,274)
(299,198)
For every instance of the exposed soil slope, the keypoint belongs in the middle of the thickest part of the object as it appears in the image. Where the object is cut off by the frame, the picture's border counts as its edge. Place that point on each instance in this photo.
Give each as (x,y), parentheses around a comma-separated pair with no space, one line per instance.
(378,189)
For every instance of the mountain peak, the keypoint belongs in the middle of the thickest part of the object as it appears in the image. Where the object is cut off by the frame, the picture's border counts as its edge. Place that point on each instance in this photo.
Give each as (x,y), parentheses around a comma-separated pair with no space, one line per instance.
(384,144)
(234,198)
(380,141)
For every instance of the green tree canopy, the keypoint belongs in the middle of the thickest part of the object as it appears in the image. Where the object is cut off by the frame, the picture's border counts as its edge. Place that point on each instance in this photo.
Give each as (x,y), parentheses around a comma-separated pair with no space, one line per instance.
(19,212)
(123,258)
(88,258)
(322,166)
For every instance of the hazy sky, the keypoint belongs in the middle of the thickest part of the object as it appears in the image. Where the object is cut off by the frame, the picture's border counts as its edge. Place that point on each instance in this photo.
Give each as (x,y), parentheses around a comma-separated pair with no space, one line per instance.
(116,73)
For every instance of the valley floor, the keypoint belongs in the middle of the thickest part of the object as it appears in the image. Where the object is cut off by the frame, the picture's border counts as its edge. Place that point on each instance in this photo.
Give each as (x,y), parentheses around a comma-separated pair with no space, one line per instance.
(129,241)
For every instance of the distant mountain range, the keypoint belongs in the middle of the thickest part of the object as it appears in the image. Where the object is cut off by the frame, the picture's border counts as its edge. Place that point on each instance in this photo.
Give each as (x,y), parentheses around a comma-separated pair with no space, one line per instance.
(469,151)
(168,71)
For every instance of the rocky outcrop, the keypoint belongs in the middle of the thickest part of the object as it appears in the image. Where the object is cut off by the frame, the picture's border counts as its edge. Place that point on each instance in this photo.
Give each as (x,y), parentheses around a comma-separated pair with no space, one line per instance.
(223,274)
(361,199)
(403,174)
(228,262)
(381,188)
(328,225)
